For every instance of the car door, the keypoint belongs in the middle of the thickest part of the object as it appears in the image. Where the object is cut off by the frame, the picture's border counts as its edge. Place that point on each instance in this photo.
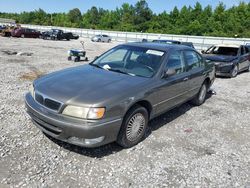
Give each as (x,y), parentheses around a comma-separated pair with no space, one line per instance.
(196,70)
(243,58)
(104,38)
(28,33)
(172,89)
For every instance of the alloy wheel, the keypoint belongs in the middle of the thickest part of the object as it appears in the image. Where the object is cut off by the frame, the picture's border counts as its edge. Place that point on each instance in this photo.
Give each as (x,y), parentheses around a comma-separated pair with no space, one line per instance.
(203,92)
(136,126)
(235,71)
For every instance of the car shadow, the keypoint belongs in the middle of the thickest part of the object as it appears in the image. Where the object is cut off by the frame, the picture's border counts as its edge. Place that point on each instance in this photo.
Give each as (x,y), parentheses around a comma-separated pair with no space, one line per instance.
(113,148)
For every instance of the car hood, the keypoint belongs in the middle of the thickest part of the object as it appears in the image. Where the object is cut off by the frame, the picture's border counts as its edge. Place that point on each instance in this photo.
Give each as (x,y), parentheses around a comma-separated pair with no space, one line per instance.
(86,85)
(219,58)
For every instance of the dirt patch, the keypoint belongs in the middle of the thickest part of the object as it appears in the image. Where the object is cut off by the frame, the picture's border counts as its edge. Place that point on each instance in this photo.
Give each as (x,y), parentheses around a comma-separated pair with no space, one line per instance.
(31,75)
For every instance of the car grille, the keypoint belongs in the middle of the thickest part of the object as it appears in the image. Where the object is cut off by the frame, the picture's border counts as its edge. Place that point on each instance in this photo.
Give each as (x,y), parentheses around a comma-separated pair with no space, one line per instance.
(47,102)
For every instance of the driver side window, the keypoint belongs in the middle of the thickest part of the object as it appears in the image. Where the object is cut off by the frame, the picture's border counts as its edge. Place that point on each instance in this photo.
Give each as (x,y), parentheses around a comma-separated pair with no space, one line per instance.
(176,62)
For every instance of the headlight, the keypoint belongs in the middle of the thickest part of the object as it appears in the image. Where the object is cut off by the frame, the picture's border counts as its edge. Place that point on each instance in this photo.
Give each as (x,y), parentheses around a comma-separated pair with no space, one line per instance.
(32,90)
(224,64)
(84,113)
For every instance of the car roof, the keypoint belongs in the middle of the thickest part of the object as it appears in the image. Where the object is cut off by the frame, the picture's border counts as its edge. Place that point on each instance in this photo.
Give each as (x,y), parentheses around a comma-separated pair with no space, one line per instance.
(228,45)
(165,40)
(157,46)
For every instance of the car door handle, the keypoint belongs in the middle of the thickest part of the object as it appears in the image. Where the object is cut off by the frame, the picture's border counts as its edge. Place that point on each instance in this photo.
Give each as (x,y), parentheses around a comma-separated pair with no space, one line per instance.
(185,79)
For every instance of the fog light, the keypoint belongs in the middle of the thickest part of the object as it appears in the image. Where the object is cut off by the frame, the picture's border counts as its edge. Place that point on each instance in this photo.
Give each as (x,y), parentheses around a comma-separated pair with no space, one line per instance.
(79,141)
(94,140)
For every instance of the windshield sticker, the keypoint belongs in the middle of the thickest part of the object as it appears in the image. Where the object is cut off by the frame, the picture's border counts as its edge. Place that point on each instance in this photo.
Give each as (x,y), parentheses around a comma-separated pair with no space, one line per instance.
(155,52)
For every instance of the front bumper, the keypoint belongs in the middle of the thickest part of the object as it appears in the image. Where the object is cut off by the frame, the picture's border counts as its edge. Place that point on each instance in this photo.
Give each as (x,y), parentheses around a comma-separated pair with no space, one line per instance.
(75,131)
(223,70)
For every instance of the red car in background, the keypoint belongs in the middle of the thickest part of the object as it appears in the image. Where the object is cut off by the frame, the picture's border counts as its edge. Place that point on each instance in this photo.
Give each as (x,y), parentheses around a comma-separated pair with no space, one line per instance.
(25,33)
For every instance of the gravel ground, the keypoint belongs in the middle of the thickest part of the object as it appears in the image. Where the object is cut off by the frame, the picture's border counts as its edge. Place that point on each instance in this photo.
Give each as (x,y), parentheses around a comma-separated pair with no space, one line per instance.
(206,146)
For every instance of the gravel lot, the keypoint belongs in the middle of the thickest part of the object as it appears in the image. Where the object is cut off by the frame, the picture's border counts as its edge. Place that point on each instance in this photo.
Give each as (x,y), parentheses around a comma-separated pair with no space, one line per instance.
(206,146)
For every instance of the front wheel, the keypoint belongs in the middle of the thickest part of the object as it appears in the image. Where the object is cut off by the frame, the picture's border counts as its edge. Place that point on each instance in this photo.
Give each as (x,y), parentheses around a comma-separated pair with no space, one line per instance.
(200,98)
(234,72)
(133,127)
(248,70)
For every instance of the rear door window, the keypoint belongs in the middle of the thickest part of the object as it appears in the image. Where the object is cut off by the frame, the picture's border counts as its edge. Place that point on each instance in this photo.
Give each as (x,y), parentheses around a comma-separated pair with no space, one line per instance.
(193,60)
(176,62)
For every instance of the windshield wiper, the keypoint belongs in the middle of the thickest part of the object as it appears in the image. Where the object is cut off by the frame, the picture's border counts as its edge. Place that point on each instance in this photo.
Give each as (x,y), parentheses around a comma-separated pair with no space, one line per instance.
(95,65)
(119,71)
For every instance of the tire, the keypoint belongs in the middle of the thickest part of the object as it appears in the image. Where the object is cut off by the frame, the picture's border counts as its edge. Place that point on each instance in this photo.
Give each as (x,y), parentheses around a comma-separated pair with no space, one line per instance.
(77,59)
(22,36)
(248,70)
(69,58)
(109,41)
(200,98)
(99,40)
(134,127)
(234,72)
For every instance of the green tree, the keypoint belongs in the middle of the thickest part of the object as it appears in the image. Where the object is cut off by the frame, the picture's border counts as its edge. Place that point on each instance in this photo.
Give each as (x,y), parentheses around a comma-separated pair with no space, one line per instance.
(75,17)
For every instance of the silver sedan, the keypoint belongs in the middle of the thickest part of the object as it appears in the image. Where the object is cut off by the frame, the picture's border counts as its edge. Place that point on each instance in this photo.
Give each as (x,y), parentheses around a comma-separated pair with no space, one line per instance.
(101,38)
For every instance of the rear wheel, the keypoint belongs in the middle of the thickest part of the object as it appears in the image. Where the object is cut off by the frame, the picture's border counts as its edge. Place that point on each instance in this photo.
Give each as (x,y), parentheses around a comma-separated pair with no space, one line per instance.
(234,72)
(109,41)
(133,127)
(99,40)
(69,58)
(200,98)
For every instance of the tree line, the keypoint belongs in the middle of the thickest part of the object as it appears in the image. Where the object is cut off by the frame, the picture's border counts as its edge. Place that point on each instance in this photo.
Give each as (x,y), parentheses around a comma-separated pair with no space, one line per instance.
(196,20)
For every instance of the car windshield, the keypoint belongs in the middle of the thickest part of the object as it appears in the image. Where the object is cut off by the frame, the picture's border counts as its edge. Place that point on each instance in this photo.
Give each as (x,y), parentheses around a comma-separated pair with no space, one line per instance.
(223,50)
(135,61)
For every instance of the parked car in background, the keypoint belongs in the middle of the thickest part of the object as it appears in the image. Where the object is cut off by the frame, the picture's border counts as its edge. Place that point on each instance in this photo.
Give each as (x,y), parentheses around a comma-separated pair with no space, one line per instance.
(248,46)
(167,41)
(114,97)
(6,31)
(101,38)
(2,27)
(229,59)
(57,34)
(25,33)
(190,44)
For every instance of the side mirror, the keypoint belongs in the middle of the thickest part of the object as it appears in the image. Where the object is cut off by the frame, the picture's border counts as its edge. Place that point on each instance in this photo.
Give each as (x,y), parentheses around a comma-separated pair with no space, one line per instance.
(169,72)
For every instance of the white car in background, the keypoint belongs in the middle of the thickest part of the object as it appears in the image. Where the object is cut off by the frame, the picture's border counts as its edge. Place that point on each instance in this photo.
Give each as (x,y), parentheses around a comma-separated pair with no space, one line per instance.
(101,38)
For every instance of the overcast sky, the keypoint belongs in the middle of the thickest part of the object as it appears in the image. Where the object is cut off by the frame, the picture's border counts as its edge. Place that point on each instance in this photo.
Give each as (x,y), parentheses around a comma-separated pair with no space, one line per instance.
(65,5)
